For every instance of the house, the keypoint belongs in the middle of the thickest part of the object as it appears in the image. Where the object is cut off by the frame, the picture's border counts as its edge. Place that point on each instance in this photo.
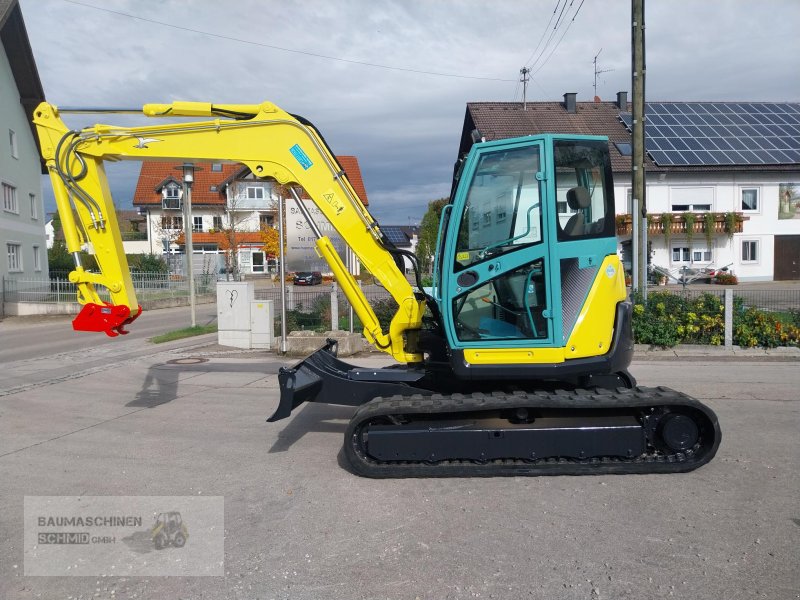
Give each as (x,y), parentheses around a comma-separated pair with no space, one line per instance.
(723,178)
(22,218)
(404,237)
(230,206)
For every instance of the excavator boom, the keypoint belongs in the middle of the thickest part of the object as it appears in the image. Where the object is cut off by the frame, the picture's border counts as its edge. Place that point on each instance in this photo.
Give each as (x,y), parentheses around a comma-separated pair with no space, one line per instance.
(272,144)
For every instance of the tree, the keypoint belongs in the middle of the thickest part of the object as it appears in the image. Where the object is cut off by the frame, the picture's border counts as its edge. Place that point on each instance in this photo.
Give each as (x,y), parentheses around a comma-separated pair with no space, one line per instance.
(61,262)
(428,230)
(270,237)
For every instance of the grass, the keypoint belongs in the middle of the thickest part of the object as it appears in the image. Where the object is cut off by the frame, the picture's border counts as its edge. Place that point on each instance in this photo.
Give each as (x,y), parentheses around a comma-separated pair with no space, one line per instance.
(179,334)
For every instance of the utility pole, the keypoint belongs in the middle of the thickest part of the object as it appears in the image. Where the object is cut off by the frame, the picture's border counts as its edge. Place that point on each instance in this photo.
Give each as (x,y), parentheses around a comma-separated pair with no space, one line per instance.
(596,72)
(188,224)
(637,159)
(524,79)
(282,271)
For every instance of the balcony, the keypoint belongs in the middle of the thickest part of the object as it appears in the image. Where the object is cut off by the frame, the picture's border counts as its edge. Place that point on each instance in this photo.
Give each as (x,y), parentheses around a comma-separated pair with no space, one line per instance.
(720,223)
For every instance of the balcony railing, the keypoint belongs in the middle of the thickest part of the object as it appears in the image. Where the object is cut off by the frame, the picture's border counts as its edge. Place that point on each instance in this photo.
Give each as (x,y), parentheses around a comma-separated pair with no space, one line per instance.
(722,224)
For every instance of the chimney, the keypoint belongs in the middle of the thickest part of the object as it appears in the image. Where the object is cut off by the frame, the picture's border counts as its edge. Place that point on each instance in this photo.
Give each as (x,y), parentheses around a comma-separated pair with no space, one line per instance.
(569,102)
(622,100)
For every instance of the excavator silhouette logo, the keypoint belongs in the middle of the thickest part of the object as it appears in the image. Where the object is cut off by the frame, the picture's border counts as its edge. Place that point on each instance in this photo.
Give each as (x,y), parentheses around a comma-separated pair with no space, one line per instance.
(169,530)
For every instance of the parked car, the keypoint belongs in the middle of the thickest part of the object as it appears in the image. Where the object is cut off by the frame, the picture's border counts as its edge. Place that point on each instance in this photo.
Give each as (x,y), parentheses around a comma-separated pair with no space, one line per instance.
(308,278)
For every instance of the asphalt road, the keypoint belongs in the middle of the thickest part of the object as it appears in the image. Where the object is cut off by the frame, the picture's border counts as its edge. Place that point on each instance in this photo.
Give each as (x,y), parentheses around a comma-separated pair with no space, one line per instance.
(41,336)
(299,526)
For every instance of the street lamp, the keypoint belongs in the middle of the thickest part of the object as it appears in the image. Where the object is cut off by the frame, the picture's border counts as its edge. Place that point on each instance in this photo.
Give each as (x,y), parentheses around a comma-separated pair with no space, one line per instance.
(188,170)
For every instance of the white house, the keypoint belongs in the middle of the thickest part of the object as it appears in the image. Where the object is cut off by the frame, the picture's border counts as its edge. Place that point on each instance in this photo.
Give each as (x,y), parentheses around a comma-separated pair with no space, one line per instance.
(22,218)
(733,167)
(229,206)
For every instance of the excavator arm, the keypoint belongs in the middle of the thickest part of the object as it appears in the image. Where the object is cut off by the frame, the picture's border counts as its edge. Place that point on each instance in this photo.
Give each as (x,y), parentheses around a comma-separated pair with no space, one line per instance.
(272,144)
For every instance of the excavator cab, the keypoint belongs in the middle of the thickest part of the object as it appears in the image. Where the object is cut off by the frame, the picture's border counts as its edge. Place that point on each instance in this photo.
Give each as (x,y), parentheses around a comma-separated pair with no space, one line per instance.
(528,238)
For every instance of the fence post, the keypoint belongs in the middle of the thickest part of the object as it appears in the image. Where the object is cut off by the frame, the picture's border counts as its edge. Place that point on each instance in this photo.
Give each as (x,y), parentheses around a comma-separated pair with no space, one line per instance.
(728,318)
(334,308)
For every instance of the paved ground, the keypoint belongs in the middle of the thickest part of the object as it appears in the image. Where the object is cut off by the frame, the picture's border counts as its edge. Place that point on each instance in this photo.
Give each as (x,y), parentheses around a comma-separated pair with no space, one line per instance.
(119,421)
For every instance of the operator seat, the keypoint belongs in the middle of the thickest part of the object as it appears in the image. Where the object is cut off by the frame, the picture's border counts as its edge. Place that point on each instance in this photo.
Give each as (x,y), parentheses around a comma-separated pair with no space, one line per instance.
(578,198)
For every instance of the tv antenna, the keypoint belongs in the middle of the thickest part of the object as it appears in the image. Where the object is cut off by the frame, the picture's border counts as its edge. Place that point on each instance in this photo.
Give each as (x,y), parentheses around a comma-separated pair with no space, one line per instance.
(597,72)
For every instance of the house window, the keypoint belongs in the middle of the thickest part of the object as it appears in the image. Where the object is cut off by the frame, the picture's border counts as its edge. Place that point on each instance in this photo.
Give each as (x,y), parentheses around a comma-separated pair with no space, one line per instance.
(10,198)
(750,199)
(34,207)
(701,255)
(217,222)
(171,197)
(266,220)
(197,223)
(14,257)
(171,222)
(254,193)
(37,259)
(12,140)
(694,199)
(750,251)
(684,254)
(625,149)
(216,167)
(680,254)
(691,207)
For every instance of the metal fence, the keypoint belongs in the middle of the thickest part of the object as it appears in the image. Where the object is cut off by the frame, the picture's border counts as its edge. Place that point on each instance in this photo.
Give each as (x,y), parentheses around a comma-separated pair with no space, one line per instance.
(323,308)
(768,300)
(148,286)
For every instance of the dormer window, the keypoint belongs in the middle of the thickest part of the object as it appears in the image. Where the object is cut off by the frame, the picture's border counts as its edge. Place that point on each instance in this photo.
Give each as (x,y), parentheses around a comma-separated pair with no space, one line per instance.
(171,196)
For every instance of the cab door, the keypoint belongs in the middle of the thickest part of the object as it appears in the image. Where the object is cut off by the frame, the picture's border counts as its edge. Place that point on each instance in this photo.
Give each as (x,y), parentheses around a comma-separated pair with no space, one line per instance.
(495,288)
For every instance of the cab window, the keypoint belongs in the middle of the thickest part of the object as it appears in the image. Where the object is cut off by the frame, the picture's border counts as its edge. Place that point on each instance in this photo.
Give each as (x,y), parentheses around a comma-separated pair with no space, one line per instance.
(583,190)
(503,207)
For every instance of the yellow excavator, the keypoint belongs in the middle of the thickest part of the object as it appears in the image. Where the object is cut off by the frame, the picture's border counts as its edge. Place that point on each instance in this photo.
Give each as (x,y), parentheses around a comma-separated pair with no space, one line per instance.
(514,362)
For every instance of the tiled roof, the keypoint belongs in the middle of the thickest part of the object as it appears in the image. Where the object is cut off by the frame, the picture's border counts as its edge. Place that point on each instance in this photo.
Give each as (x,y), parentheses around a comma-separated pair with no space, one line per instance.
(154,173)
(498,120)
(350,166)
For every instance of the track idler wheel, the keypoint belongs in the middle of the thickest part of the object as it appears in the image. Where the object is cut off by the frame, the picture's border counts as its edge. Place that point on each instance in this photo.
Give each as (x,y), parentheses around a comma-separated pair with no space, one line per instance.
(678,432)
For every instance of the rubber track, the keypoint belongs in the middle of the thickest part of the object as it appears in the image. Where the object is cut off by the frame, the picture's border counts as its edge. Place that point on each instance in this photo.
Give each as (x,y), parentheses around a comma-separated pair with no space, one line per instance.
(636,399)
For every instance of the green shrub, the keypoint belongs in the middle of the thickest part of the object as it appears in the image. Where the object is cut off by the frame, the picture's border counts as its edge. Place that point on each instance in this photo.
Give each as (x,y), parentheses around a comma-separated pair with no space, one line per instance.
(668,319)
(147,263)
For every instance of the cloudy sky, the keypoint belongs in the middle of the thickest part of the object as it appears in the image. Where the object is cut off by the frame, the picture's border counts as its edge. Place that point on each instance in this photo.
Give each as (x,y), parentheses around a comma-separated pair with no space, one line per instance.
(388,81)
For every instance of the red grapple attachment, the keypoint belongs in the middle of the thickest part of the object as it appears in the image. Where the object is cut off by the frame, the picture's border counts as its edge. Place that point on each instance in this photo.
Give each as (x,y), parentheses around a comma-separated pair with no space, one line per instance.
(104,317)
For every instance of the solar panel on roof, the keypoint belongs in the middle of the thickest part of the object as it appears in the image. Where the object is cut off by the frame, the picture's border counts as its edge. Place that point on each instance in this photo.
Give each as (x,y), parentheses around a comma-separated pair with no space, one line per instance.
(721,133)
(394,234)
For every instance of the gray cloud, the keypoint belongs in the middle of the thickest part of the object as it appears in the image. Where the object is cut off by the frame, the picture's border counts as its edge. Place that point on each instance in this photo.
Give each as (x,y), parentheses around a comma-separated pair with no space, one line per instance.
(403,127)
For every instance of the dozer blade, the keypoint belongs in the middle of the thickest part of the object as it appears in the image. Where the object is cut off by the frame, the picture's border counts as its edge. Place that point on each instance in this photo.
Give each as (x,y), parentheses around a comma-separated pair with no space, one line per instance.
(324,378)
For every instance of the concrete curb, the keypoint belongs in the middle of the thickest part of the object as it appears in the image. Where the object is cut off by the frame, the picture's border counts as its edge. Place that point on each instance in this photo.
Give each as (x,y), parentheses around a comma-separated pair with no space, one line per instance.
(683,351)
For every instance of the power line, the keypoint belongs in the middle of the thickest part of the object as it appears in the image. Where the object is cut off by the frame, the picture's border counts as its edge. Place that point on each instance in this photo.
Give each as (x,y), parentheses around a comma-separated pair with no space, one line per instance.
(544,31)
(559,40)
(282,49)
(553,33)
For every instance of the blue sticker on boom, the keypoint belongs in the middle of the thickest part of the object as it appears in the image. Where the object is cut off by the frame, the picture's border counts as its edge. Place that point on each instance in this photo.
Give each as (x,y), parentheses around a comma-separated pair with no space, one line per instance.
(301,157)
